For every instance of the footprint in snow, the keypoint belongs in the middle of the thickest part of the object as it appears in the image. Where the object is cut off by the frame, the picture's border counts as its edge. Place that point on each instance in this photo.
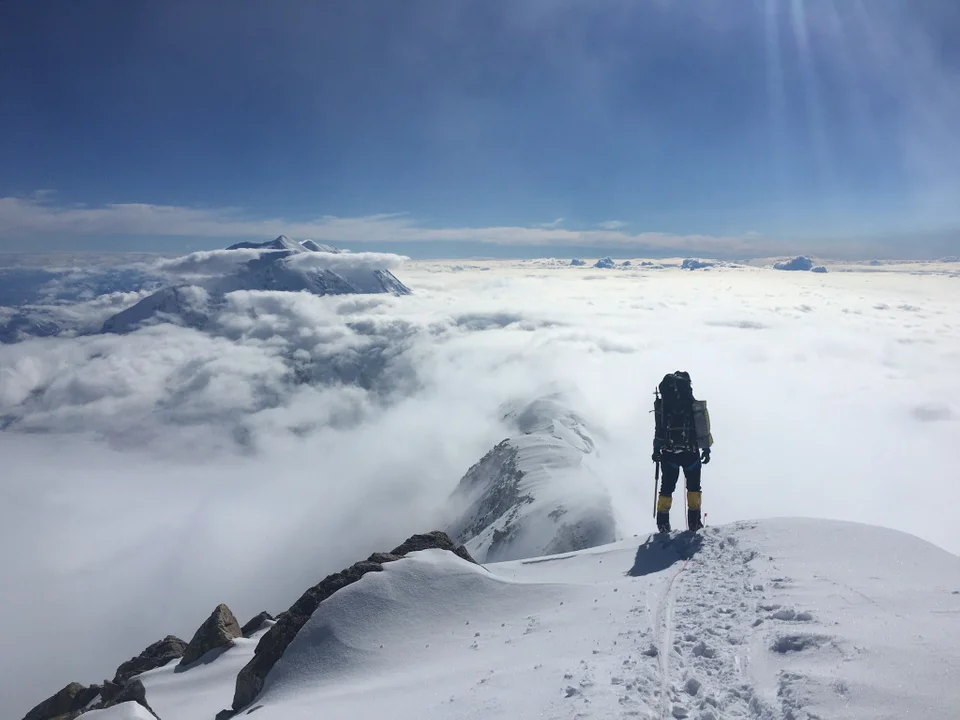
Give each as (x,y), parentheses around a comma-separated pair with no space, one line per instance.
(791,615)
(701,650)
(692,686)
(797,643)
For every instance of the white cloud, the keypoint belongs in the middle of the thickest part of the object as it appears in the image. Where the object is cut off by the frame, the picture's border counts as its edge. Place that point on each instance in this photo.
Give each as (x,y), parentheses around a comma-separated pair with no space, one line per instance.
(348,262)
(611,224)
(206,263)
(148,477)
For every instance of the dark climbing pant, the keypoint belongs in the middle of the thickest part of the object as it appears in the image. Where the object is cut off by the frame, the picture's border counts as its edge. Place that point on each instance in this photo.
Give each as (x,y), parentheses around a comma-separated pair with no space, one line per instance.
(670,466)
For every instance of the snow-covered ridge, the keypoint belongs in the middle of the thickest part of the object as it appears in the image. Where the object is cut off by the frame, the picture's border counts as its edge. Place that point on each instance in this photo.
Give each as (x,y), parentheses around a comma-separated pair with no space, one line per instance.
(201,280)
(535,493)
(778,619)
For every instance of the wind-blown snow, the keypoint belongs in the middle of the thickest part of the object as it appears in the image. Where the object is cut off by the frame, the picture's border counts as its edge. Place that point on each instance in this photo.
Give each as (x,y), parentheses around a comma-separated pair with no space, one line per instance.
(537,492)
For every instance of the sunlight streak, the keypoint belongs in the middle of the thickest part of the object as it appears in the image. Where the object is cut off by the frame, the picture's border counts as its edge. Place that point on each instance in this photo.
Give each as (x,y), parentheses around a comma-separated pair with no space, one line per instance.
(776,96)
(811,90)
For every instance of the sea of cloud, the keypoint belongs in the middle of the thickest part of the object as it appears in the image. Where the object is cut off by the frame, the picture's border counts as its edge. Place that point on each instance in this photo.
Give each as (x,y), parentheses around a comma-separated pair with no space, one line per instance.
(148,477)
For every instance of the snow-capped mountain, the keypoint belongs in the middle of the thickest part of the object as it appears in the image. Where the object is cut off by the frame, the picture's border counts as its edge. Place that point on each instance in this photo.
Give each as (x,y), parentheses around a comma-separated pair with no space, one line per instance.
(775,620)
(278,265)
(536,492)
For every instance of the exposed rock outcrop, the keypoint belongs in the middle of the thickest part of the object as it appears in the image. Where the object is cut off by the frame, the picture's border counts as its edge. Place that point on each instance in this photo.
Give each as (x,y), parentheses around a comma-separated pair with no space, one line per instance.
(133,691)
(69,702)
(217,630)
(157,655)
(272,645)
(255,623)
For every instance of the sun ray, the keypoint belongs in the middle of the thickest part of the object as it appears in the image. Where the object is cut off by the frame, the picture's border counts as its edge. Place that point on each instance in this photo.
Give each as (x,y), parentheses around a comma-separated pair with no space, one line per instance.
(776,95)
(812,96)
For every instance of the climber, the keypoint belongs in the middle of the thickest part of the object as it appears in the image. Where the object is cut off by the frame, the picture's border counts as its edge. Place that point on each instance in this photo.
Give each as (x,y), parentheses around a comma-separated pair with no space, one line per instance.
(682,441)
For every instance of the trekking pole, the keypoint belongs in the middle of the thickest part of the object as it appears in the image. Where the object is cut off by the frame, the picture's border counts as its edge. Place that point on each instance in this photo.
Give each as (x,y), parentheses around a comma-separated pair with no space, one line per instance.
(656,486)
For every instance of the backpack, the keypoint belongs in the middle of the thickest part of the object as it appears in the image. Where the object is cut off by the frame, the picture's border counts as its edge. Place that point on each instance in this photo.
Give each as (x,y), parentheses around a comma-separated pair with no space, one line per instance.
(682,421)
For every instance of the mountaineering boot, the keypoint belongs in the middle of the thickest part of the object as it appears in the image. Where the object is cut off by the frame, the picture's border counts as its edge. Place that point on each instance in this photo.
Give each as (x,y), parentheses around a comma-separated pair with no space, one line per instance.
(693,511)
(663,522)
(663,513)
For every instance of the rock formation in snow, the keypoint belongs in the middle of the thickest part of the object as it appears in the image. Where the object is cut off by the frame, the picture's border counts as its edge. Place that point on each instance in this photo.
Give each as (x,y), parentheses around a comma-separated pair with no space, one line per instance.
(256,623)
(535,492)
(218,630)
(71,699)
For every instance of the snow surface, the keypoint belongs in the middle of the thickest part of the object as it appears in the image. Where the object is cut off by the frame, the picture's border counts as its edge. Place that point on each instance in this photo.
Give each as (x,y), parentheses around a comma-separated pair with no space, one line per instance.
(777,619)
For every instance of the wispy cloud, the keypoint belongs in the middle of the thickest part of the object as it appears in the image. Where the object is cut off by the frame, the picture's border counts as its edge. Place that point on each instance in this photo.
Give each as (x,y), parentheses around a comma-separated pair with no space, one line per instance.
(553,224)
(38,216)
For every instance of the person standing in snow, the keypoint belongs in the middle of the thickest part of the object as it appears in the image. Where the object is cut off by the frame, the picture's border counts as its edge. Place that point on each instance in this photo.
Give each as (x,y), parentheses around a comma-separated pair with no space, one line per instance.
(681,441)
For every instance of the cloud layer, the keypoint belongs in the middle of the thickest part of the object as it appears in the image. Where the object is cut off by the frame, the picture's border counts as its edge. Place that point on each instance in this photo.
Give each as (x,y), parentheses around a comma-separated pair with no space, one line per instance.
(148,477)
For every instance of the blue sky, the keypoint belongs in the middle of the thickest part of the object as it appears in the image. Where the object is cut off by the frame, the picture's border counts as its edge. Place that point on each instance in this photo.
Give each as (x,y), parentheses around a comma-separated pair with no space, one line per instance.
(484,127)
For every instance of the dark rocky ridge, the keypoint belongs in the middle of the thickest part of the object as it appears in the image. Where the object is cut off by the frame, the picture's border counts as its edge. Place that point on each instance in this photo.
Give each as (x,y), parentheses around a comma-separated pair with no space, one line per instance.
(155,656)
(255,623)
(68,703)
(220,628)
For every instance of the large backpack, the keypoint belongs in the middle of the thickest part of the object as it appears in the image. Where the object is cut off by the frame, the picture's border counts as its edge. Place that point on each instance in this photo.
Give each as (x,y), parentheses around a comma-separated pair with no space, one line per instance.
(682,422)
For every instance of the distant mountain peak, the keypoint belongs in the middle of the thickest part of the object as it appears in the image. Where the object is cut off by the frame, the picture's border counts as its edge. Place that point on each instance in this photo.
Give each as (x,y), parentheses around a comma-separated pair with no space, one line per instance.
(281,242)
(317,247)
(283,266)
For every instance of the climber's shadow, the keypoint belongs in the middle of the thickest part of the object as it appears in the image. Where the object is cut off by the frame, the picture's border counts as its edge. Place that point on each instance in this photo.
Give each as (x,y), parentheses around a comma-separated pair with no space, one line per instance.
(661,551)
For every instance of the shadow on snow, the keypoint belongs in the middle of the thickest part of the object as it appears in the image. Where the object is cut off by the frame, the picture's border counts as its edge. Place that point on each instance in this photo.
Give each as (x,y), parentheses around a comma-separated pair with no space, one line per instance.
(660,552)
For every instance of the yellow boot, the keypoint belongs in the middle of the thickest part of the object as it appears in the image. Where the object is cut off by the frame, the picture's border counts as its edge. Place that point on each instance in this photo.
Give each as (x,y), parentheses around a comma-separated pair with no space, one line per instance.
(664,503)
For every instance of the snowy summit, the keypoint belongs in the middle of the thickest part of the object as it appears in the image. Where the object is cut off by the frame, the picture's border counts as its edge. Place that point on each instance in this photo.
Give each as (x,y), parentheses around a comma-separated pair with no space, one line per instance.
(281,264)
